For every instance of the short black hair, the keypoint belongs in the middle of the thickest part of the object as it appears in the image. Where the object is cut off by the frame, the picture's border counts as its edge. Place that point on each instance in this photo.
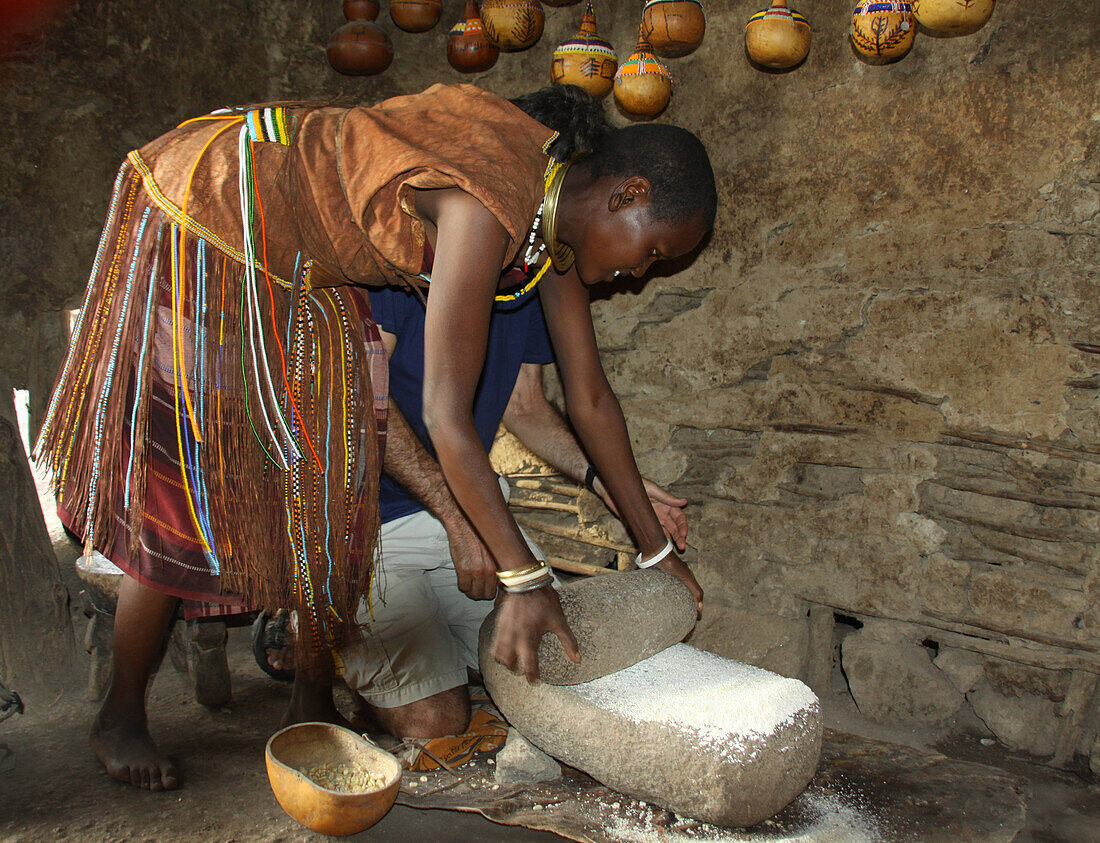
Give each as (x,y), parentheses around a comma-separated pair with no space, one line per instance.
(673,160)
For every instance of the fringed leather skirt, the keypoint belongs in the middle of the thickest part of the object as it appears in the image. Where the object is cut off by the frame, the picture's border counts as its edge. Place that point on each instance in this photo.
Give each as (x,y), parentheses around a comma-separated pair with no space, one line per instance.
(217,431)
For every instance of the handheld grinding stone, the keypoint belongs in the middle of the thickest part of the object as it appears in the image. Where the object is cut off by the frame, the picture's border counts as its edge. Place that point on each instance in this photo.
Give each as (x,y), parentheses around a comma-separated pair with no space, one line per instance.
(618,620)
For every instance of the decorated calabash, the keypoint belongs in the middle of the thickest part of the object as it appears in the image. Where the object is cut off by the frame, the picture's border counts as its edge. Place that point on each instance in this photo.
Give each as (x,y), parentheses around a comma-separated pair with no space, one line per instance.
(469,49)
(512,24)
(953,17)
(777,37)
(586,59)
(643,85)
(673,28)
(416,15)
(883,30)
(360,47)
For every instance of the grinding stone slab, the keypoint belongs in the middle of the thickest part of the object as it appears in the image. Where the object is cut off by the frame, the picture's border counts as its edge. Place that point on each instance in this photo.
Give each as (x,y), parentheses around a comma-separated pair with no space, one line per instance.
(618,620)
(704,736)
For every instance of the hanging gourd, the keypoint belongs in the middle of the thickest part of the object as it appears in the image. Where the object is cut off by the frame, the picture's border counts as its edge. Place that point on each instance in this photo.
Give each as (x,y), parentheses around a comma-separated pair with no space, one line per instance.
(953,17)
(361,9)
(674,27)
(416,15)
(643,85)
(586,59)
(883,30)
(469,49)
(512,24)
(360,47)
(777,36)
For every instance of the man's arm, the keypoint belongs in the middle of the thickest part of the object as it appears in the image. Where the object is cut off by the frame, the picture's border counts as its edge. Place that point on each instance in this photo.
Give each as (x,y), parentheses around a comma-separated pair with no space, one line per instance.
(409,463)
(542,430)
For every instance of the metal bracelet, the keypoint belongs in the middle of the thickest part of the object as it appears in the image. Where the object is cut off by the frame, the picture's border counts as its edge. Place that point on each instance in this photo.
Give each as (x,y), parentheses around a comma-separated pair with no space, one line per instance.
(520,572)
(531,586)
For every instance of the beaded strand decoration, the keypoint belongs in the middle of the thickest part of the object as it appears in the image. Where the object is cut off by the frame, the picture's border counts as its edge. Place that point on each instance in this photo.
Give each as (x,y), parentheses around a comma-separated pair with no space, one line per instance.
(78,326)
(175,329)
(545,223)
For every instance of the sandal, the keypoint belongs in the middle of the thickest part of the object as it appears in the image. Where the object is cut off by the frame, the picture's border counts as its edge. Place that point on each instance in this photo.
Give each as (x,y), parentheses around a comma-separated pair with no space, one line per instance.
(269,633)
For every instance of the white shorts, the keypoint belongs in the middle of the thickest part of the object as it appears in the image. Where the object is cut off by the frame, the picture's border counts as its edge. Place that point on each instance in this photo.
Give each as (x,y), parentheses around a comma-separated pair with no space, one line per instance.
(420,631)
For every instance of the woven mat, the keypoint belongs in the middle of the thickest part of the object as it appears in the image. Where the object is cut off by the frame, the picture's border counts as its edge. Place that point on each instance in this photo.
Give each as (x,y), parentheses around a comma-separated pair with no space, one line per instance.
(864,790)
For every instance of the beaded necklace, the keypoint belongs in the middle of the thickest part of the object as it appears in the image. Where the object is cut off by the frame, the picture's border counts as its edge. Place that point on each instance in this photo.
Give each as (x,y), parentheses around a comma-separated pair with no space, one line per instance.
(552,187)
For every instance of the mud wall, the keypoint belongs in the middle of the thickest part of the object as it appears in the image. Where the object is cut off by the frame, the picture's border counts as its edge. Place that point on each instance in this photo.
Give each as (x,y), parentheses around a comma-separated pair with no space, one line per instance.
(867,382)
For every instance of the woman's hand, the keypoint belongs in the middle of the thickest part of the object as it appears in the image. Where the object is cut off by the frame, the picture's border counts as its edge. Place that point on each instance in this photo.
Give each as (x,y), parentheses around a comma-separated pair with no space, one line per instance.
(668,508)
(521,621)
(672,564)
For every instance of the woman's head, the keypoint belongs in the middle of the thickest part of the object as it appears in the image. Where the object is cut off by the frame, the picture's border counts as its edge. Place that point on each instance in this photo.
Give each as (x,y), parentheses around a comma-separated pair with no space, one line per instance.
(671,159)
(650,195)
(647,191)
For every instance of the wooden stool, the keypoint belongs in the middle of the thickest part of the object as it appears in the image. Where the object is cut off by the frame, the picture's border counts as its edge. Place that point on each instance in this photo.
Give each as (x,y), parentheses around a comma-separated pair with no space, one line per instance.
(196,647)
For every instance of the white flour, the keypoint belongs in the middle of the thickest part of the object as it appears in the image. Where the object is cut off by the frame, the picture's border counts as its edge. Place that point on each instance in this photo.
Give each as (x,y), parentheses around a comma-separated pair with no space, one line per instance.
(825,819)
(726,704)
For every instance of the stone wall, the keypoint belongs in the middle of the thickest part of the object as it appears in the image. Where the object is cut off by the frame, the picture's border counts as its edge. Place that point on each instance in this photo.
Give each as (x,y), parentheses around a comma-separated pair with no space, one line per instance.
(875,382)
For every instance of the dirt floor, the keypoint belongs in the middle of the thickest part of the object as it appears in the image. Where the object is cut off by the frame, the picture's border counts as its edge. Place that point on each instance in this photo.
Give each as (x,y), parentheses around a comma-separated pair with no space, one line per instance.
(57,791)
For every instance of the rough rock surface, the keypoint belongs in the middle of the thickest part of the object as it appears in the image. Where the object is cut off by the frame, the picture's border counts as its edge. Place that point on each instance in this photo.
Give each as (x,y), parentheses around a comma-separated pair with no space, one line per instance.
(617,620)
(521,761)
(703,736)
(897,681)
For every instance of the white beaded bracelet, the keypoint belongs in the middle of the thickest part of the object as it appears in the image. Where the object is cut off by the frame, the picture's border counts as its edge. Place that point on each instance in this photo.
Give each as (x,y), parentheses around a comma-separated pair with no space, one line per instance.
(653,560)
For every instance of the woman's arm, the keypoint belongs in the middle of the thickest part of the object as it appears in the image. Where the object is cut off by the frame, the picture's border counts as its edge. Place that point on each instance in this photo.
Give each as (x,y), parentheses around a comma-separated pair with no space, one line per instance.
(597,417)
(539,426)
(469,251)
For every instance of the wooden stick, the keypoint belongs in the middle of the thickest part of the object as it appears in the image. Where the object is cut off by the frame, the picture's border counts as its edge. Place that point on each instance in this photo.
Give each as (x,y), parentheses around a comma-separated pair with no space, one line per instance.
(571,567)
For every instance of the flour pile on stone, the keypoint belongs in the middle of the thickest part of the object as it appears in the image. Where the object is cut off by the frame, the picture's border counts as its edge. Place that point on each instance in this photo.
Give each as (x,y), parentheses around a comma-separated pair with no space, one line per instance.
(728,705)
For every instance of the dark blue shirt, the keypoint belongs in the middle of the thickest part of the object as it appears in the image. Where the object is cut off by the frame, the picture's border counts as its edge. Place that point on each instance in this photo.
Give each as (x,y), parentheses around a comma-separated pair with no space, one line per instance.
(517,335)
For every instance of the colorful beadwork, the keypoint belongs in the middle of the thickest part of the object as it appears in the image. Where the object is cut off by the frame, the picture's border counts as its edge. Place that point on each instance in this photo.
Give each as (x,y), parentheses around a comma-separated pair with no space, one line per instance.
(777,37)
(586,59)
(643,84)
(469,49)
(228,347)
(883,30)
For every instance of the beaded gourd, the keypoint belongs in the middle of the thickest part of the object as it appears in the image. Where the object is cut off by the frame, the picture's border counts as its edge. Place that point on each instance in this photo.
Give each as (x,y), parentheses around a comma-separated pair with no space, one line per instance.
(883,30)
(643,85)
(360,47)
(512,24)
(469,49)
(586,59)
(674,28)
(416,15)
(777,37)
(953,17)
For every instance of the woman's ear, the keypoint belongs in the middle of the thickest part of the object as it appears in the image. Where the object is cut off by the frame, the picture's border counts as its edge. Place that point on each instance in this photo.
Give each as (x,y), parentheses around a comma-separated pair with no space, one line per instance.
(628,192)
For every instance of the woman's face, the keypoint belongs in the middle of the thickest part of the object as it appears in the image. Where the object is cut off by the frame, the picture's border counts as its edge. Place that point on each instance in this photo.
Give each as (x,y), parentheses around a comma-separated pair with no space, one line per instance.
(626,240)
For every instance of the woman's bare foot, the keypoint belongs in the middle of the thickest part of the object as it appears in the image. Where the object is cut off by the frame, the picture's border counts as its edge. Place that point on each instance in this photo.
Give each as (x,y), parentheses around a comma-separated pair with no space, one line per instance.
(128,753)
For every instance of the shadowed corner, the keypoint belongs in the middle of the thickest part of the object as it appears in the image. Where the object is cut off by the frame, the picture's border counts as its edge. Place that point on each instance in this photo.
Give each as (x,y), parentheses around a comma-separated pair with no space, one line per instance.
(23,22)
